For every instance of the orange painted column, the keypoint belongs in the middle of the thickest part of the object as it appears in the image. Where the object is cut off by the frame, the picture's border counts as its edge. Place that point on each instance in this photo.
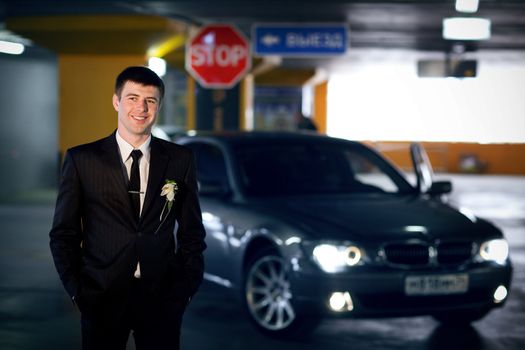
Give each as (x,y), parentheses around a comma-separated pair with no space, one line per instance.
(319,112)
(86,84)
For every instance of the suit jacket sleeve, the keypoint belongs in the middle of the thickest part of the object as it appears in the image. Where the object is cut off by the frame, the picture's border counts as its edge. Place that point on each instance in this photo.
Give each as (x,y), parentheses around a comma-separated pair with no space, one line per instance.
(191,233)
(66,232)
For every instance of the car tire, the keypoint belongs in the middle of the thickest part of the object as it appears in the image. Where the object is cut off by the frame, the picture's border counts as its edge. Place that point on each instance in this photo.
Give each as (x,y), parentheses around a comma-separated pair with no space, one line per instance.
(268,298)
(460,317)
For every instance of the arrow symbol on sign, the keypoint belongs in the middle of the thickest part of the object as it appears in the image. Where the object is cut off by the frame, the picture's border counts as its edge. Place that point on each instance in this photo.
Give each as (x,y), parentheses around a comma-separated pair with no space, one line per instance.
(270,40)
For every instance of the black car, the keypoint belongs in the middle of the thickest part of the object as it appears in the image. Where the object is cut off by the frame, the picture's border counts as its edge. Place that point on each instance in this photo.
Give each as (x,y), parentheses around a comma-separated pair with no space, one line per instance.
(303,226)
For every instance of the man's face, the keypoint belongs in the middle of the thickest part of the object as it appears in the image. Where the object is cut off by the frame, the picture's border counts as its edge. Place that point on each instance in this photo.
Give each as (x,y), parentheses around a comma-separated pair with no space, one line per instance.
(137,108)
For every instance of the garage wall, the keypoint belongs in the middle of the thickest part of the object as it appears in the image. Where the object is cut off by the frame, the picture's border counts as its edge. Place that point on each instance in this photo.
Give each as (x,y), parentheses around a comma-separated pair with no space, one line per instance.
(461,157)
(28,124)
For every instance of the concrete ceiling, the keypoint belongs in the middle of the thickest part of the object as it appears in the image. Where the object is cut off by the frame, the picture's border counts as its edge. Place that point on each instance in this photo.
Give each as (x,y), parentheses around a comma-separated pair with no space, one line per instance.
(398,24)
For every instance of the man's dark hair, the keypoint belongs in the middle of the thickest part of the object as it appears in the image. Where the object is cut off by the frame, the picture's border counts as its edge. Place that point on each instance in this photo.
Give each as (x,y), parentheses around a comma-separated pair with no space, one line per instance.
(140,75)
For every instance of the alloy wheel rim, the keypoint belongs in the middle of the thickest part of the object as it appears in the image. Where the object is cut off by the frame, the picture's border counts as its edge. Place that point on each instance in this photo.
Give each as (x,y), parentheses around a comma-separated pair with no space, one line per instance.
(268,294)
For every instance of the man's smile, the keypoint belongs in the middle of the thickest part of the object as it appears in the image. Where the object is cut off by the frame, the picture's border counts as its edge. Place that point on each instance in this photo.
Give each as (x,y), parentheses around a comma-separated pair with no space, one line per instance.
(139,118)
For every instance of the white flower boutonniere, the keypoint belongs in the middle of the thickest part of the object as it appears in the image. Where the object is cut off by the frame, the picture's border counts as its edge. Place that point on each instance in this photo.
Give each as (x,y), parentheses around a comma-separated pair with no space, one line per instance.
(169,190)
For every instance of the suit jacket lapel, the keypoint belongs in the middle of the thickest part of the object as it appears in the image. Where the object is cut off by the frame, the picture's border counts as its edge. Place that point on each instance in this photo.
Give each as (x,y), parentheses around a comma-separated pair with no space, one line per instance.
(115,171)
(157,167)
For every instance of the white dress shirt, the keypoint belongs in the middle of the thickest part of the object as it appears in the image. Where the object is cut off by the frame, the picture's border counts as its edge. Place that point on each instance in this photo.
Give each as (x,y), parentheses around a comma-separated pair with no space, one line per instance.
(125,152)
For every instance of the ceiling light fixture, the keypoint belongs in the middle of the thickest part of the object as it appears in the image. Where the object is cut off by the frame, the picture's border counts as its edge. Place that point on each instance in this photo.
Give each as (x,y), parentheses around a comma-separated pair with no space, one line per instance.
(468,6)
(466,28)
(158,65)
(11,47)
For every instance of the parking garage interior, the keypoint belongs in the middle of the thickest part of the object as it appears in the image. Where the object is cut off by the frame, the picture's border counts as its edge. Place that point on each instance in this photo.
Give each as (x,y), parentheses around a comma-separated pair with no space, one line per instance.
(57,94)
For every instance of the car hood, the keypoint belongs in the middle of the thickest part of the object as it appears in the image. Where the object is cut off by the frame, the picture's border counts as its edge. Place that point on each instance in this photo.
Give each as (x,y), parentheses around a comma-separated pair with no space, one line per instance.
(374,217)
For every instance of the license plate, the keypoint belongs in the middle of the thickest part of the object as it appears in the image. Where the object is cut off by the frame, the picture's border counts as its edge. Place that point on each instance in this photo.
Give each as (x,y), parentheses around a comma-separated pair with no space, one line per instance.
(436,284)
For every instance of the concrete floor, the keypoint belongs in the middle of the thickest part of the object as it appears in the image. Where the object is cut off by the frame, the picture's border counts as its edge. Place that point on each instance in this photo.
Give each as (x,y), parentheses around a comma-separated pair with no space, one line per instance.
(35,312)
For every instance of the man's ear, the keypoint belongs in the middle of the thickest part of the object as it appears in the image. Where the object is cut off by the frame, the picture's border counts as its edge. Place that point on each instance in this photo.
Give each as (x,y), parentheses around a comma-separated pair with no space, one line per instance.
(116,102)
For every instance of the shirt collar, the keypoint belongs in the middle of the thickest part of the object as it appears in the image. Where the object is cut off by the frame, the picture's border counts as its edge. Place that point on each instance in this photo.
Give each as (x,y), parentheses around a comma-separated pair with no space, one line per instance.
(125,148)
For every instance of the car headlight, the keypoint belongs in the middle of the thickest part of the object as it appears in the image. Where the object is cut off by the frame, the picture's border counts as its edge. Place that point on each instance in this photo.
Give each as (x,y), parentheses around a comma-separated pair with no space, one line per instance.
(494,250)
(335,258)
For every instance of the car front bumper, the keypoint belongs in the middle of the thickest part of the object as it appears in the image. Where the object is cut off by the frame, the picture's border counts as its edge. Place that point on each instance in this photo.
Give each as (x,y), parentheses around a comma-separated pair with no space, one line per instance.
(380,291)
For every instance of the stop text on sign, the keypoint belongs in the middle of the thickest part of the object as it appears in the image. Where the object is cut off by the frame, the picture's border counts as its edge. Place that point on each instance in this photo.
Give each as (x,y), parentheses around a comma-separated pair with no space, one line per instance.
(222,55)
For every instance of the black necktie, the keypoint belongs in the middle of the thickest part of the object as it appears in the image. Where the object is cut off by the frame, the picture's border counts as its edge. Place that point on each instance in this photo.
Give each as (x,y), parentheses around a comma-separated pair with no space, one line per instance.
(134,182)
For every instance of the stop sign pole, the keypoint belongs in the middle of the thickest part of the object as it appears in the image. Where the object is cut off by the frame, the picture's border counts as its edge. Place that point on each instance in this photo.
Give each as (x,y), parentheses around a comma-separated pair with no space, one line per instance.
(218,56)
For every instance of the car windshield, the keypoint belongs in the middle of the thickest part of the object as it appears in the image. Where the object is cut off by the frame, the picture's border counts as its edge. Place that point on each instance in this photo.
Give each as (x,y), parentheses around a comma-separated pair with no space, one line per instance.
(297,167)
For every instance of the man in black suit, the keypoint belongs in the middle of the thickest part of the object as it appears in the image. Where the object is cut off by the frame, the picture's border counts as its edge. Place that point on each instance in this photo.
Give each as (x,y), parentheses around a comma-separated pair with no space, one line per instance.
(112,238)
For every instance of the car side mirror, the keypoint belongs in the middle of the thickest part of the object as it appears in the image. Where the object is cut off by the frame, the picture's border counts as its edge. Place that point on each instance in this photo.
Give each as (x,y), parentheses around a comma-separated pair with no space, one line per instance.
(422,167)
(439,188)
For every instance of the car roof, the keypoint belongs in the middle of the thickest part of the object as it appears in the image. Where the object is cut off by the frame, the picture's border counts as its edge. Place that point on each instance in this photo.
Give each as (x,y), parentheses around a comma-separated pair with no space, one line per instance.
(232,137)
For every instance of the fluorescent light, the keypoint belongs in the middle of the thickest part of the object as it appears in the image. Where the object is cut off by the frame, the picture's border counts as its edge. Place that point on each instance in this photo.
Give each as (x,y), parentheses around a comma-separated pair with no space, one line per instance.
(11,48)
(466,28)
(468,6)
(158,65)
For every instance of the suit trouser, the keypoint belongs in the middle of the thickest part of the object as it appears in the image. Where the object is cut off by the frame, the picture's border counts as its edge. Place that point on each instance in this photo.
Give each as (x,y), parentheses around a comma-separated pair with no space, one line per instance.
(155,324)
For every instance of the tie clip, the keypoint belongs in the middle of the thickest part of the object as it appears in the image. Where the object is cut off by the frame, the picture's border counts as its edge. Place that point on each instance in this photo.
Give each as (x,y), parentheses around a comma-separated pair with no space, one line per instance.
(136,192)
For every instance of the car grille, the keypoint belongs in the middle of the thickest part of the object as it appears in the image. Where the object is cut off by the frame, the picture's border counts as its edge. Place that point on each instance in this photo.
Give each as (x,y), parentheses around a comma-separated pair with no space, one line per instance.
(454,252)
(421,254)
(407,254)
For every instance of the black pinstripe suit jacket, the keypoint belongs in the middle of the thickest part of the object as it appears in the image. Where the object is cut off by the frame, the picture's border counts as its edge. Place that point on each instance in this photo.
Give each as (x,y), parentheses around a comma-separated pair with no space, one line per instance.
(95,240)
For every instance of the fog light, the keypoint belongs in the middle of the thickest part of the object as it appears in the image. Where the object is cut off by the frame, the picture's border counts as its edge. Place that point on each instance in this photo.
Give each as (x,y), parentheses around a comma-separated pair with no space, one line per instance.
(341,301)
(500,294)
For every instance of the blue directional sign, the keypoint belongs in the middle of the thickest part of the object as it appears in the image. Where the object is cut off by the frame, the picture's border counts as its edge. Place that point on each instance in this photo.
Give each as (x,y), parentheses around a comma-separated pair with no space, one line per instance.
(299,40)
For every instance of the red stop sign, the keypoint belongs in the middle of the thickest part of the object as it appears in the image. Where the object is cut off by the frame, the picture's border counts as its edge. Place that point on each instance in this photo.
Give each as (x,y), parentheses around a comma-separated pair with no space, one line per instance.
(218,56)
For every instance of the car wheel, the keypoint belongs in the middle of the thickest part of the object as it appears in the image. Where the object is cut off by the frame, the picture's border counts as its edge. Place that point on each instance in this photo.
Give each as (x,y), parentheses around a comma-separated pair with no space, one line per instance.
(460,317)
(269,298)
